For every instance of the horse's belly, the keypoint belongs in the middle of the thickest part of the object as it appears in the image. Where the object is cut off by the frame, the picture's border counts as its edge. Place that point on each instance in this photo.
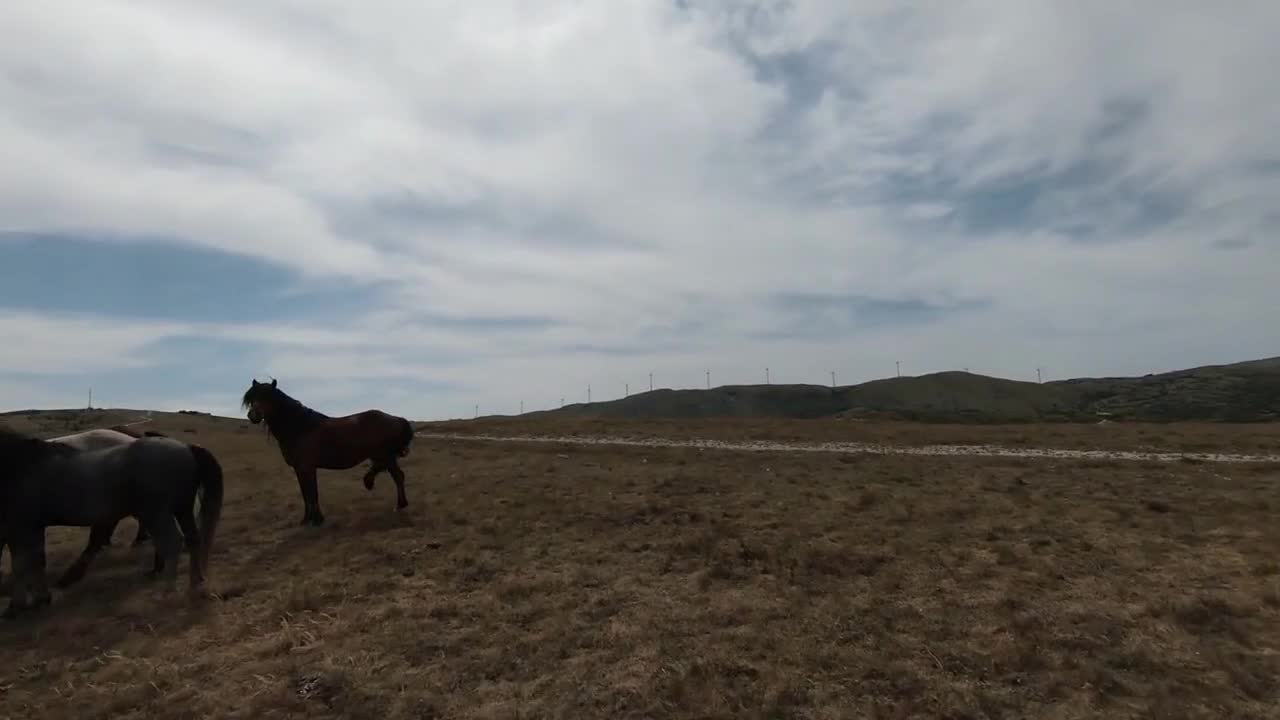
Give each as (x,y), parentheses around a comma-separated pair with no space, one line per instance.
(77,513)
(74,518)
(339,460)
(81,497)
(81,509)
(333,454)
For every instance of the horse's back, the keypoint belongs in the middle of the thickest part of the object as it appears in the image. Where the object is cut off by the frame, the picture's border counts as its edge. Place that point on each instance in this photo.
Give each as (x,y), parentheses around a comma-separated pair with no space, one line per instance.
(344,441)
(381,417)
(140,455)
(149,463)
(93,486)
(159,449)
(94,439)
(80,488)
(364,420)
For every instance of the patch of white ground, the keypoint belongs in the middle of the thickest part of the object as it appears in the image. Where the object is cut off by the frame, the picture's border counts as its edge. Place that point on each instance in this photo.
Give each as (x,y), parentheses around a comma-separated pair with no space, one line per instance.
(873,448)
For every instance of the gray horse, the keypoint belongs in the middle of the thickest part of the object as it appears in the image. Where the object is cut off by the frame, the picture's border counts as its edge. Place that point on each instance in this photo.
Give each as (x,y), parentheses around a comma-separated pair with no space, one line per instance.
(98,439)
(95,439)
(153,479)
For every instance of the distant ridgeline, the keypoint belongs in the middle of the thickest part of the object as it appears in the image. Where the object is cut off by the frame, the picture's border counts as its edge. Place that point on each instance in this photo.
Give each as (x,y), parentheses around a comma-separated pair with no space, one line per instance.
(1241,392)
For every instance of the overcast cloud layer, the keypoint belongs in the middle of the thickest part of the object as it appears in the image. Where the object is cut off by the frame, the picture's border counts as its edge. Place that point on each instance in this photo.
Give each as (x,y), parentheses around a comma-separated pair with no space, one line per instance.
(432,206)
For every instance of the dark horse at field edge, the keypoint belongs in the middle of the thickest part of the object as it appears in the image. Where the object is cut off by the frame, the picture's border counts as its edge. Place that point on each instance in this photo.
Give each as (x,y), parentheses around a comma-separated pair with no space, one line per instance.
(96,440)
(309,441)
(154,479)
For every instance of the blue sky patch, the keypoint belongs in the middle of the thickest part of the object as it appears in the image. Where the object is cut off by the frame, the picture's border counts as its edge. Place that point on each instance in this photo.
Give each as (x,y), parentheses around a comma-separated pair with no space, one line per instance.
(159,281)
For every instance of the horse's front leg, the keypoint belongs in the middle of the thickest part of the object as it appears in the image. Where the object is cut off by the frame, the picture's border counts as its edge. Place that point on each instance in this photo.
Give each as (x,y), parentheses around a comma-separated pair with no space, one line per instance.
(26,550)
(99,537)
(311,514)
(40,594)
(142,535)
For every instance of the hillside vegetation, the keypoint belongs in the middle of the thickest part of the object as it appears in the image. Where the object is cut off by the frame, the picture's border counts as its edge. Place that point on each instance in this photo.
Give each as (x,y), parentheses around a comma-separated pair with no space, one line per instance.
(54,423)
(1240,392)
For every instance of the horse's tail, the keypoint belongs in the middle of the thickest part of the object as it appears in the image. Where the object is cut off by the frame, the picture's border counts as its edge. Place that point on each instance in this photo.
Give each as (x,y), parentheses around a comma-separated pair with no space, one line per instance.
(209,477)
(406,437)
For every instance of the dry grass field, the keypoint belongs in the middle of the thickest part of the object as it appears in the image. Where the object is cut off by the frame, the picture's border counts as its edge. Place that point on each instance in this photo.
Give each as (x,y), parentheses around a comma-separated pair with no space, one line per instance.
(569,581)
(1254,438)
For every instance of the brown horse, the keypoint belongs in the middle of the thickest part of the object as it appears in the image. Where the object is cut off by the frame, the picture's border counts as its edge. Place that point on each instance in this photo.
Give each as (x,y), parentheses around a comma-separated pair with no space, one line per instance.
(310,440)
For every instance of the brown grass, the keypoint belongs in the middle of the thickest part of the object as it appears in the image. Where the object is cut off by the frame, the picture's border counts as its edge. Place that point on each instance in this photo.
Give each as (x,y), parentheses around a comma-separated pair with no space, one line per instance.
(601,582)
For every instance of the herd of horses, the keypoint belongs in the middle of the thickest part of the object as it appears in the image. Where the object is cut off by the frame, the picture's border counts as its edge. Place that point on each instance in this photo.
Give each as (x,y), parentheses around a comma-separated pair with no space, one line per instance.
(97,478)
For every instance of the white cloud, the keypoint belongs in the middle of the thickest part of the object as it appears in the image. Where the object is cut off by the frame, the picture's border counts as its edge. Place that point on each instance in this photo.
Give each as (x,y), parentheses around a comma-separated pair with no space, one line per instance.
(38,343)
(646,176)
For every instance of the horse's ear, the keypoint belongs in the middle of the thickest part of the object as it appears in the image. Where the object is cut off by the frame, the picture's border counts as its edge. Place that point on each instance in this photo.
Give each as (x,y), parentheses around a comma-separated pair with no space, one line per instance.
(255,382)
(273,382)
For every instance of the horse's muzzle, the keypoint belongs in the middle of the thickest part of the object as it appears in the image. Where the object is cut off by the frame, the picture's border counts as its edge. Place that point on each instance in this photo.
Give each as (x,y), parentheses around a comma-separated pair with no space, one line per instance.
(255,417)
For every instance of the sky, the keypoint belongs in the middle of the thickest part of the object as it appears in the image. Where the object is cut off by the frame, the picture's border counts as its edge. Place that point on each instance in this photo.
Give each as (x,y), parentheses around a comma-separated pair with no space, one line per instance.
(429,207)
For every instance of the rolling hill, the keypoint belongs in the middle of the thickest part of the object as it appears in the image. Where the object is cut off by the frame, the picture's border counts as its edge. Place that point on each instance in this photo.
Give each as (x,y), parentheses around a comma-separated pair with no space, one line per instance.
(1239,392)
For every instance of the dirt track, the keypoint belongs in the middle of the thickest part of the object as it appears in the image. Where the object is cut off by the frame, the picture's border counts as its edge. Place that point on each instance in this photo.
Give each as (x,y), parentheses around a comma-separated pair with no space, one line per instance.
(876,449)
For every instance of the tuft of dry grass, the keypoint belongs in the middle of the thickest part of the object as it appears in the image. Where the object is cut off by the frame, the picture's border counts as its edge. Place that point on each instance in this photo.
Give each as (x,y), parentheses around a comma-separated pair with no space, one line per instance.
(562,581)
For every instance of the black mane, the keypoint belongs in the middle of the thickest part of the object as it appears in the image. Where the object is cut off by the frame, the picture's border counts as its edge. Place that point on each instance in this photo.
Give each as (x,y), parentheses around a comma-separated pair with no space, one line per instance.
(11,439)
(289,417)
(18,449)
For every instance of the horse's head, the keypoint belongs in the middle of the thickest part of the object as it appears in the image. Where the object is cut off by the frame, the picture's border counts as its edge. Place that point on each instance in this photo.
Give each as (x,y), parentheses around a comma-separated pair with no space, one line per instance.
(19,451)
(259,399)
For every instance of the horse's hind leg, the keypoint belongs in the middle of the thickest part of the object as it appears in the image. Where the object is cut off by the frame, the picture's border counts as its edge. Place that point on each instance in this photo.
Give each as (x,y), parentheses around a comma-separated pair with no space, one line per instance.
(38,583)
(21,579)
(164,531)
(191,535)
(397,474)
(142,535)
(374,468)
(99,537)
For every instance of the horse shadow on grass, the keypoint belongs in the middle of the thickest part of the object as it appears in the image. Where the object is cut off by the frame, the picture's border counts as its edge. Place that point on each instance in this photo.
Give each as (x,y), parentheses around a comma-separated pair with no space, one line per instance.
(259,569)
(115,600)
